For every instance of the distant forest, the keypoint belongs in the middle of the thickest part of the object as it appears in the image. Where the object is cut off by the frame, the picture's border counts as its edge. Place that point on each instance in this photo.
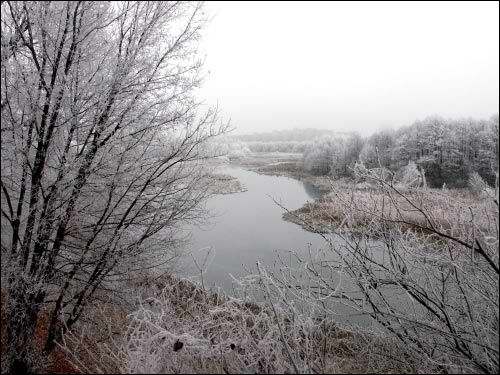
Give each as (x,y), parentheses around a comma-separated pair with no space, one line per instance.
(447,150)
(296,134)
(289,140)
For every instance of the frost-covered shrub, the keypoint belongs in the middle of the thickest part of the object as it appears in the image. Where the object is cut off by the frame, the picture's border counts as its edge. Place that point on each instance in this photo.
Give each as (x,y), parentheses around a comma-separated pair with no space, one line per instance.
(438,253)
(178,327)
(411,177)
(237,150)
(479,186)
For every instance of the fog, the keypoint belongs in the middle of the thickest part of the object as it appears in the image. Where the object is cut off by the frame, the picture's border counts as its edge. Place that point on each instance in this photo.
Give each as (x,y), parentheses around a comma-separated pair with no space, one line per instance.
(139,235)
(350,66)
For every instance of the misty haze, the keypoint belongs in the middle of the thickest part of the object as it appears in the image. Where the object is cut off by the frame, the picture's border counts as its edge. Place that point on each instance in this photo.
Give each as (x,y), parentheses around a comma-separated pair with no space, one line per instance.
(249,187)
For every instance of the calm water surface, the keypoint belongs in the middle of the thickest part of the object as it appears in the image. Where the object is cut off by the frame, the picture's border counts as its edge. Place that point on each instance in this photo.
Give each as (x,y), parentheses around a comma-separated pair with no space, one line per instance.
(248,227)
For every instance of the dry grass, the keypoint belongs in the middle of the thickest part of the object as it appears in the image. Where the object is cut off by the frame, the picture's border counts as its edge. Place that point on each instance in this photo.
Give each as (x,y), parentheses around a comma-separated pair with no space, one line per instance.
(223,335)
(359,208)
(295,169)
(288,169)
(57,362)
(224,184)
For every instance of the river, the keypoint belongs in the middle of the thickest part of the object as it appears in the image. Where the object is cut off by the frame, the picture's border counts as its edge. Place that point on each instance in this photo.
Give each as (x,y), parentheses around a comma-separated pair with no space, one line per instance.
(247,227)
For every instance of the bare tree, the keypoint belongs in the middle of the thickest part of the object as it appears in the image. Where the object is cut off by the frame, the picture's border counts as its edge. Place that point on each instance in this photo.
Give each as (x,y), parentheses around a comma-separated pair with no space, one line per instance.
(421,263)
(103,150)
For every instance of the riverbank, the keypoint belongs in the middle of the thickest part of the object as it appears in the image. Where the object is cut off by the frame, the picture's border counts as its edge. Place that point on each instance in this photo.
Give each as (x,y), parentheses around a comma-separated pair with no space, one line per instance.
(225,184)
(178,327)
(363,208)
(374,212)
(282,164)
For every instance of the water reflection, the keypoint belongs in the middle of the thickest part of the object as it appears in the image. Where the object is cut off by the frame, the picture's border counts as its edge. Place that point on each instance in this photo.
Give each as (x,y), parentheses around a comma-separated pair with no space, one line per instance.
(248,227)
(313,191)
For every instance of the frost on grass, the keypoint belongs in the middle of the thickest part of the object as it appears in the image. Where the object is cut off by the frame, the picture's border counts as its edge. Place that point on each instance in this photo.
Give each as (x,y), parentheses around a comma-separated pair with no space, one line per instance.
(225,184)
(426,264)
(222,334)
(433,295)
(363,206)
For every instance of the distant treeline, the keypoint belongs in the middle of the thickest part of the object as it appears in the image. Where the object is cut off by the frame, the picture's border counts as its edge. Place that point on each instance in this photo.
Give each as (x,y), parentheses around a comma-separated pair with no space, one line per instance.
(289,135)
(290,140)
(448,151)
(279,146)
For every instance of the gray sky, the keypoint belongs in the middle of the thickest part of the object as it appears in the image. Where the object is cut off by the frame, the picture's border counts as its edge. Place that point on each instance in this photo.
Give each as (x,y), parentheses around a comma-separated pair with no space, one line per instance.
(350,66)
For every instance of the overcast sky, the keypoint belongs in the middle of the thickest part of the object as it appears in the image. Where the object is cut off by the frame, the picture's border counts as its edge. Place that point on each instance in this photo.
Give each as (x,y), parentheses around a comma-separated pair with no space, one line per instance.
(350,66)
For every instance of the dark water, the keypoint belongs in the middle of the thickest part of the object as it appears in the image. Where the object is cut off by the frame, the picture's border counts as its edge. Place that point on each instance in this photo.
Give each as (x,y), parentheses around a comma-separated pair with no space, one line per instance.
(248,227)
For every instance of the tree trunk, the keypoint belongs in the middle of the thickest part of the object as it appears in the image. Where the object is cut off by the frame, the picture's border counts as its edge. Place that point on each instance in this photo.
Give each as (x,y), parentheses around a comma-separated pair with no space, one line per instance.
(22,311)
